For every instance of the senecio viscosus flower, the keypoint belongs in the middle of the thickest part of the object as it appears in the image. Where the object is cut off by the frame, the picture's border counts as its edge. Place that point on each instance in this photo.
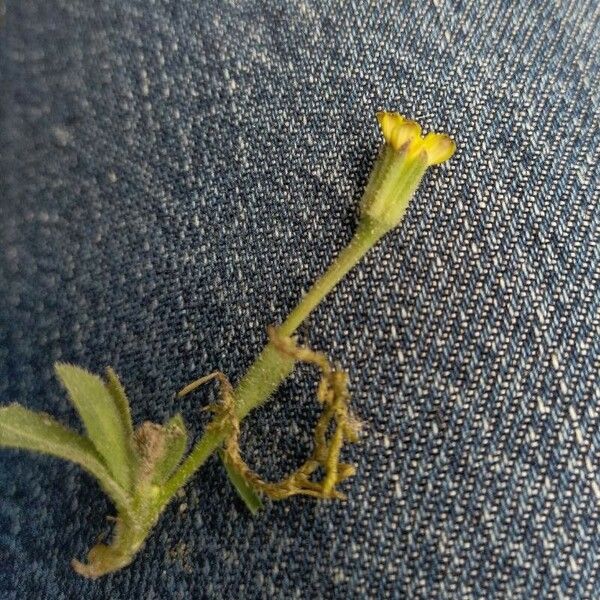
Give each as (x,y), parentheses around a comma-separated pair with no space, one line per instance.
(141,469)
(401,164)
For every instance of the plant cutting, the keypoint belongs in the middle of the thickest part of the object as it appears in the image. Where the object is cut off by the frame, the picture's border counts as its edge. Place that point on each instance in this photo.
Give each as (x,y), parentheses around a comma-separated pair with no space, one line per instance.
(142,468)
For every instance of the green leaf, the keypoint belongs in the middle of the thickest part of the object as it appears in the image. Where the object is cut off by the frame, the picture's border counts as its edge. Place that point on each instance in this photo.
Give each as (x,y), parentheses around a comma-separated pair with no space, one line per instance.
(116,390)
(37,431)
(245,491)
(176,439)
(102,418)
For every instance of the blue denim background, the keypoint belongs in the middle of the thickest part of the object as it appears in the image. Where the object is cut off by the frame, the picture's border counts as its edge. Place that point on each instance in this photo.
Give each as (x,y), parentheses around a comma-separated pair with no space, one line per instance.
(174,174)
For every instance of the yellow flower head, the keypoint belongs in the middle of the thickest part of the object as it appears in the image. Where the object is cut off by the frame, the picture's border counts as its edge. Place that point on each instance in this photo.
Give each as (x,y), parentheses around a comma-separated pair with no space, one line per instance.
(405,135)
(402,163)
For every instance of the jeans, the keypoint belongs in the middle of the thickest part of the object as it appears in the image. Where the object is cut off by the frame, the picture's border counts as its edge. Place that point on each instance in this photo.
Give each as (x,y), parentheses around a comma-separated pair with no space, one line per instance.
(174,174)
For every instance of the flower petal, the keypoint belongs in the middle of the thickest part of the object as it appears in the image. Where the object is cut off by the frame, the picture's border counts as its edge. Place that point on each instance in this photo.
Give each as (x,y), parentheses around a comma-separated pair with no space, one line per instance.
(404,134)
(388,121)
(439,147)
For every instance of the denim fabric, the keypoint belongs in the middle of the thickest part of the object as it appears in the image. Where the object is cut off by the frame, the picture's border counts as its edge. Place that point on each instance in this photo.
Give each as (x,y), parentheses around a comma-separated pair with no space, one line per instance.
(174,174)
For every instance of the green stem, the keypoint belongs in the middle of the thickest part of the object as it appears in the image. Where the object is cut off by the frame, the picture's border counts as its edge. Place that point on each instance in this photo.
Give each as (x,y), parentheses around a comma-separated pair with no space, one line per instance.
(130,532)
(270,368)
(205,446)
(365,238)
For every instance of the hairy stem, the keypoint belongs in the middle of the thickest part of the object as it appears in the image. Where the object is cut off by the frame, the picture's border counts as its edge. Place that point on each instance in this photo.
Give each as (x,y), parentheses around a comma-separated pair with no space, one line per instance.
(271,367)
(366,236)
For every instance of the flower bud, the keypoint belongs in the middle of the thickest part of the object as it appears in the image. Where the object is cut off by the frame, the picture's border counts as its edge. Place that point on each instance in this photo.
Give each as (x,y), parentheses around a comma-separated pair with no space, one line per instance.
(399,168)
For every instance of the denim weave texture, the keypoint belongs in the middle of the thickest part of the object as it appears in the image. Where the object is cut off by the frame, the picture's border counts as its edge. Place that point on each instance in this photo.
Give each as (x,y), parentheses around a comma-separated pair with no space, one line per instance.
(174,174)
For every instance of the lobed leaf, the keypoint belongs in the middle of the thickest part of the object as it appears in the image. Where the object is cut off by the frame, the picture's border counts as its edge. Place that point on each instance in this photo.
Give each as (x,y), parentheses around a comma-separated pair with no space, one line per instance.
(39,432)
(116,390)
(102,416)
